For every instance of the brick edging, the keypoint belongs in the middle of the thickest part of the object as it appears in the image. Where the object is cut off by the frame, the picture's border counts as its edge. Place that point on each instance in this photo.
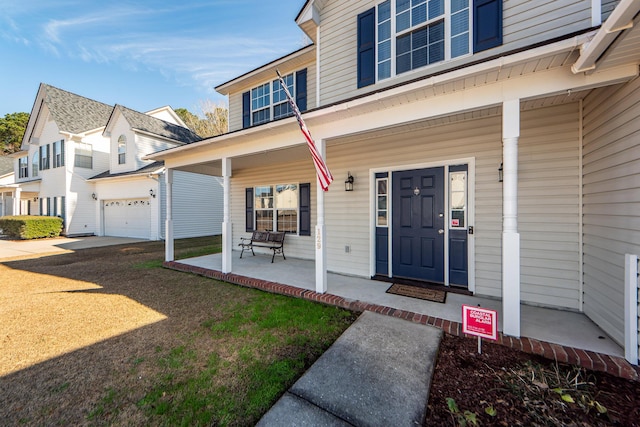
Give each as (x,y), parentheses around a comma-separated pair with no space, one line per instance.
(613,365)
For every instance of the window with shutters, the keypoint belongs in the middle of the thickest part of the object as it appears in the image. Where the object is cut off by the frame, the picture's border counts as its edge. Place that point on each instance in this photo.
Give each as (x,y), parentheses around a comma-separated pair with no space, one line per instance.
(58,153)
(35,164)
(415,33)
(23,167)
(268,101)
(276,208)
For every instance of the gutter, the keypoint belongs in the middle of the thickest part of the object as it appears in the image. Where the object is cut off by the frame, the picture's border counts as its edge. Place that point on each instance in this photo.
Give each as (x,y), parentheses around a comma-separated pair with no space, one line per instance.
(620,19)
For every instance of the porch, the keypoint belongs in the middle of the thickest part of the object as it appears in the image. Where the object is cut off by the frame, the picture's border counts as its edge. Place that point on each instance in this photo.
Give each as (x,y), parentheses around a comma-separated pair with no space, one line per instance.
(565,328)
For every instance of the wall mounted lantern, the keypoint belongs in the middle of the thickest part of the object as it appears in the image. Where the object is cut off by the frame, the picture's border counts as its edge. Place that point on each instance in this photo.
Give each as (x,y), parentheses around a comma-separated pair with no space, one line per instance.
(500,173)
(348,184)
(35,199)
(94,196)
(152,193)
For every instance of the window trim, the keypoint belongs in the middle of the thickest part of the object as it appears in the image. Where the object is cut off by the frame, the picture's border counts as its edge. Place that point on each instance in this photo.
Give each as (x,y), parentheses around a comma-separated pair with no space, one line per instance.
(77,157)
(58,153)
(23,167)
(122,154)
(446,17)
(386,209)
(270,108)
(35,163)
(274,209)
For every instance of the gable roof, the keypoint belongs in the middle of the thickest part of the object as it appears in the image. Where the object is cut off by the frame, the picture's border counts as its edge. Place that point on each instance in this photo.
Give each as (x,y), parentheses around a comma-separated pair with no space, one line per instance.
(146,123)
(74,113)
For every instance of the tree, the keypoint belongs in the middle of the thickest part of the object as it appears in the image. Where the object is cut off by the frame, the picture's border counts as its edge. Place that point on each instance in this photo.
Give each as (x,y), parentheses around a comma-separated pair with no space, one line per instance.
(12,128)
(214,119)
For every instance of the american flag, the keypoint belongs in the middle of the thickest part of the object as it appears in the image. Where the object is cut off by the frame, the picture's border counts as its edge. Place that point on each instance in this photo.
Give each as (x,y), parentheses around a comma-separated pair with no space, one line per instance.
(324,175)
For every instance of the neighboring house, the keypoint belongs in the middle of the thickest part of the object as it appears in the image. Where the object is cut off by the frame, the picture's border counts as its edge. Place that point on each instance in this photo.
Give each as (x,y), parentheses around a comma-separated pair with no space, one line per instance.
(82,160)
(494,147)
(6,190)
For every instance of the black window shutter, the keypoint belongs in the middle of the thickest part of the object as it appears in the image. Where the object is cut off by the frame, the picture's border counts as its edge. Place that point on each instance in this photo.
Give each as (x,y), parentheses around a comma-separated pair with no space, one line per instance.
(246,110)
(249,209)
(367,48)
(301,89)
(62,152)
(305,209)
(487,24)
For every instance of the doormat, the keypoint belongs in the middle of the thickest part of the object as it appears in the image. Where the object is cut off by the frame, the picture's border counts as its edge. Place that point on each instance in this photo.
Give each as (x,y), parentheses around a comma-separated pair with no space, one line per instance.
(416,292)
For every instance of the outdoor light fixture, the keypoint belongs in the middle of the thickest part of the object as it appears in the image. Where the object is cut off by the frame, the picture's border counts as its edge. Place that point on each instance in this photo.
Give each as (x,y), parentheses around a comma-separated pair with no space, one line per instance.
(348,184)
(93,196)
(500,173)
(35,199)
(152,193)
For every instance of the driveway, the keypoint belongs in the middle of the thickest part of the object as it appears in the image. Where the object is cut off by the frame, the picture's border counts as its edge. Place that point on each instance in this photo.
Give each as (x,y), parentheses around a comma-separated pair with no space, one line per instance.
(27,248)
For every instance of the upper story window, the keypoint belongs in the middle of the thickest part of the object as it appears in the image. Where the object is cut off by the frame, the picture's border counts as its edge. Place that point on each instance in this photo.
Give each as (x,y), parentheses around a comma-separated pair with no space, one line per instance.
(35,163)
(45,153)
(23,167)
(268,101)
(122,149)
(58,153)
(84,155)
(420,33)
(398,36)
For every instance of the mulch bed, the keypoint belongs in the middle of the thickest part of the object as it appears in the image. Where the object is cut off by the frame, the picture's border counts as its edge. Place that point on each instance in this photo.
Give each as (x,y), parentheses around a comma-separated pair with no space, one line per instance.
(524,390)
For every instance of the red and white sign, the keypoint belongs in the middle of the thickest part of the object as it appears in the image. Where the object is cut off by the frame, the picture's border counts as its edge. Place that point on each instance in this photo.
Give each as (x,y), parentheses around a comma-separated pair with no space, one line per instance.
(455,223)
(481,322)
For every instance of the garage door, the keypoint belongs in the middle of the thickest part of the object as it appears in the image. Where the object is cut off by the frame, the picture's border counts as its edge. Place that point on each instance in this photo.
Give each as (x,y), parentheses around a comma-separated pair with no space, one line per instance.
(127,218)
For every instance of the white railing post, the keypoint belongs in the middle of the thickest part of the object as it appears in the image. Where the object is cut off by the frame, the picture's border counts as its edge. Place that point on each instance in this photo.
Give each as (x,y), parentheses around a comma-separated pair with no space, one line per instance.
(631,308)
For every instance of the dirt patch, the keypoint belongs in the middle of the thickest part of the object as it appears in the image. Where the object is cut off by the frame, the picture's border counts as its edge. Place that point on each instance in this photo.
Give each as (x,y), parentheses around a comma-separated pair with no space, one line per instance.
(505,387)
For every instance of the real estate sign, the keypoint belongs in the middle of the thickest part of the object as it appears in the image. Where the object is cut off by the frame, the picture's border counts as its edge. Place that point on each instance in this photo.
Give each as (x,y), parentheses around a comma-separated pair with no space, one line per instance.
(481,322)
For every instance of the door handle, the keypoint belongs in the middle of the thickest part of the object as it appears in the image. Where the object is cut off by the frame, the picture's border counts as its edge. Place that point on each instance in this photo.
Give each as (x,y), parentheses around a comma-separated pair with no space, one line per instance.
(441,231)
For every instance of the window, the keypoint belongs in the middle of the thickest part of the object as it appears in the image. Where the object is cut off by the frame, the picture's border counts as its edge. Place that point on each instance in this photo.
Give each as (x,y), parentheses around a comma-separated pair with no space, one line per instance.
(58,153)
(35,164)
(382,203)
(44,157)
(122,149)
(457,199)
(23,167)
(84,155)
(416,33)
(276,208)
(269,102)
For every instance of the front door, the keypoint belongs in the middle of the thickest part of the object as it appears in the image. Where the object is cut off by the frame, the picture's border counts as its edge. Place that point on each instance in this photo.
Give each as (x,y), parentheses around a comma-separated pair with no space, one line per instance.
(418,224)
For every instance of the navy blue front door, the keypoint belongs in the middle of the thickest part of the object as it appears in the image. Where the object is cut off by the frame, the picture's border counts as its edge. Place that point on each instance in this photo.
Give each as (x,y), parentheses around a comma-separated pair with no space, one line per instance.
(418,224)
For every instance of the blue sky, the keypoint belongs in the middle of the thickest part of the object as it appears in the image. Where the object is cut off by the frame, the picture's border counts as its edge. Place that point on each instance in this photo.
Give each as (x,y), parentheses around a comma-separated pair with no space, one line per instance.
(139,53)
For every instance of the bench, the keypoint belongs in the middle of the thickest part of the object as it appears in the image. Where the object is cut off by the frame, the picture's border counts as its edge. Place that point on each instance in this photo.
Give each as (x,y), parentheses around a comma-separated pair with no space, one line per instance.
(273,240)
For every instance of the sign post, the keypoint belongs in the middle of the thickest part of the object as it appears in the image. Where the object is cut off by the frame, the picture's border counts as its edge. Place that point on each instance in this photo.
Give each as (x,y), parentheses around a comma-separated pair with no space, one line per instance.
(481,322)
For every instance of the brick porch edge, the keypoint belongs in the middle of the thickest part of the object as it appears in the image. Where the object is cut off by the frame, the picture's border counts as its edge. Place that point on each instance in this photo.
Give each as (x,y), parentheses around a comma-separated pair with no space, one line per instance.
(613,365)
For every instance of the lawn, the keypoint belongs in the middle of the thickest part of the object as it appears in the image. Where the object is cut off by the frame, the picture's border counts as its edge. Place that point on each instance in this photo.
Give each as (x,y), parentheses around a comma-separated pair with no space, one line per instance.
(106,336)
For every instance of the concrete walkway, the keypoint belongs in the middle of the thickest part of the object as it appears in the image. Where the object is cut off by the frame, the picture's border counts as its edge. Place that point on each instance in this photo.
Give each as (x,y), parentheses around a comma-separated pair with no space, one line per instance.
(378,373)
(21,248)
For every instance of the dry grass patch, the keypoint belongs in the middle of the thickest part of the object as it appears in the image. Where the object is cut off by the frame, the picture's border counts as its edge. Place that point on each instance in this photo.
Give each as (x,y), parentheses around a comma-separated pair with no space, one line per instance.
(221,355)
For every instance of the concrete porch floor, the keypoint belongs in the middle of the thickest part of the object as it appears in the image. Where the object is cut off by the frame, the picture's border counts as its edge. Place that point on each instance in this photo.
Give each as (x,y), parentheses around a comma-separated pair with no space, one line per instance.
(554,326)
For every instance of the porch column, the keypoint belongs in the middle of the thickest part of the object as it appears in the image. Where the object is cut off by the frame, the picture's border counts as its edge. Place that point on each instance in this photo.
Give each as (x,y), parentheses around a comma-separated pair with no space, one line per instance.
(227,242)
(168,243)
(17,194)
(510,235)
(321,250)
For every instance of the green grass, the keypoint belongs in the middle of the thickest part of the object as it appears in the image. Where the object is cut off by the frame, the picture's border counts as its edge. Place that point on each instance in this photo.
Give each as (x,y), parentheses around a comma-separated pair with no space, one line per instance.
(268,343)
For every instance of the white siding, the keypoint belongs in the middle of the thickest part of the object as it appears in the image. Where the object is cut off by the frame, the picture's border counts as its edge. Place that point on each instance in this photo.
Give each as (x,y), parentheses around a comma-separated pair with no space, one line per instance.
(607,8)
(526,22)
(549,204)
(611,157)
(298,172)
(145,145)
(197,205)
(122,127)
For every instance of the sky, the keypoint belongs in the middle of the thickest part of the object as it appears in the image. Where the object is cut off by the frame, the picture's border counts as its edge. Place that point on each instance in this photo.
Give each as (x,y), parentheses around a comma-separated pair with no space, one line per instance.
(142,54)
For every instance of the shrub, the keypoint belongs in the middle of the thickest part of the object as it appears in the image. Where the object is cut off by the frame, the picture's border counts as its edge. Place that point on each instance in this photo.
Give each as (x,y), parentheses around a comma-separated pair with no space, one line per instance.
(31,226)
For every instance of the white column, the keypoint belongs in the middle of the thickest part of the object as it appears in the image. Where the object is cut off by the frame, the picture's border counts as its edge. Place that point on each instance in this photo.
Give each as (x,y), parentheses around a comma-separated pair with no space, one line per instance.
(510,235)
(227,242)
(17,194)
(321,247)
(168,243)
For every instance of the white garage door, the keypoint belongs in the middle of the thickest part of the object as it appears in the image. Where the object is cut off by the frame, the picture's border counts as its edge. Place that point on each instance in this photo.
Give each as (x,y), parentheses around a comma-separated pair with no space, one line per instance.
(127,218)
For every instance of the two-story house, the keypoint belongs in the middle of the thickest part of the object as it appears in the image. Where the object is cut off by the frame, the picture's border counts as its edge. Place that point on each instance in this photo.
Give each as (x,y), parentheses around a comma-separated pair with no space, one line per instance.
(82,160)
(489,145)
(6,189)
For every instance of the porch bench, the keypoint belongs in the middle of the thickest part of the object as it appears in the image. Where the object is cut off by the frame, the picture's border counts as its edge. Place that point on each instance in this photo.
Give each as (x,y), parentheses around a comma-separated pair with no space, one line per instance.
(273,240)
